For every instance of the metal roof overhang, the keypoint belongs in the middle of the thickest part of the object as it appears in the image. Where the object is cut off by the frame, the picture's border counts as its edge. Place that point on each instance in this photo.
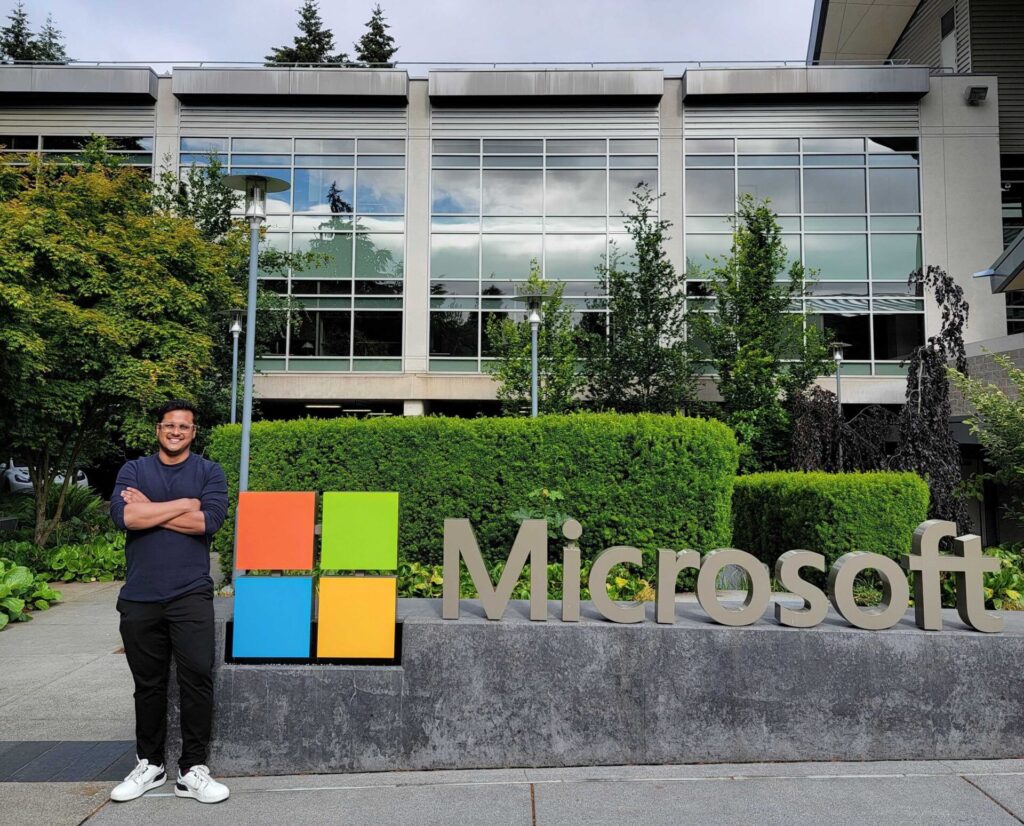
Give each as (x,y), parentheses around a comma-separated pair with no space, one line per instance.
(44,83)
(1007,273)
(857,31)
(290,86)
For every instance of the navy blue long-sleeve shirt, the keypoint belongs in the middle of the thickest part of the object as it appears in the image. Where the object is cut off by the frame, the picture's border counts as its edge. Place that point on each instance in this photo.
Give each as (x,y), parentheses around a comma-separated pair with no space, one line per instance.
(164,564)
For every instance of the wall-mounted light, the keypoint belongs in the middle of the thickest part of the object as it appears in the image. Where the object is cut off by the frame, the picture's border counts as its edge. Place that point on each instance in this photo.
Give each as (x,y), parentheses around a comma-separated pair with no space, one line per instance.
(974,95)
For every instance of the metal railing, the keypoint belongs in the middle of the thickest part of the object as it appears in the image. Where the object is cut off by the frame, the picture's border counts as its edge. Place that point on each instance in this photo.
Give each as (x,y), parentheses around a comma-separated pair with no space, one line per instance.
(420,67)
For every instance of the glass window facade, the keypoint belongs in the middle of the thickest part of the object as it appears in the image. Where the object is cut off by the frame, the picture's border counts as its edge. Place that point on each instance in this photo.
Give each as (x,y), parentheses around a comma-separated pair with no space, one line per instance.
(850,209)
(497,204)
(346,204)
(133,151)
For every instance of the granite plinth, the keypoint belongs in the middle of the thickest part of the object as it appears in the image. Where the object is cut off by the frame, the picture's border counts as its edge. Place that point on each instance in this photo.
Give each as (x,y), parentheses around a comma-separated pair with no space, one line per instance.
(474,694)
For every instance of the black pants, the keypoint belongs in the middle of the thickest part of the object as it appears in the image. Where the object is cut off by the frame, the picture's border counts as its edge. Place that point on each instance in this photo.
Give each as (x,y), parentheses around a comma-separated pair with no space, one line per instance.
(153,632)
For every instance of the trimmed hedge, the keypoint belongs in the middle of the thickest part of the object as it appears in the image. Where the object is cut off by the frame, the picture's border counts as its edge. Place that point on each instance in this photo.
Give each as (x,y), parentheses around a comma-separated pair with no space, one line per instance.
(829,513)
(646,480)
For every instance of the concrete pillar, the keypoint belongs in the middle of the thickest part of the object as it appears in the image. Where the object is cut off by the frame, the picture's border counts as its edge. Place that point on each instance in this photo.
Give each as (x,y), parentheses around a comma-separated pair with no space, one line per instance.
(417,230)
(961,207)
(165,145)
(414,407)
(671,183)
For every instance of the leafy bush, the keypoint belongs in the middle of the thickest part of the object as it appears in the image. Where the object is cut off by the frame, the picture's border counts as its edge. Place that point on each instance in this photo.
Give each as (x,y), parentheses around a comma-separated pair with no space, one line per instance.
(23,552)
(624,582)
(101,560)
(22,591)
(1004,589)
(999,425)
(83,517)
(653,481)
(829,513)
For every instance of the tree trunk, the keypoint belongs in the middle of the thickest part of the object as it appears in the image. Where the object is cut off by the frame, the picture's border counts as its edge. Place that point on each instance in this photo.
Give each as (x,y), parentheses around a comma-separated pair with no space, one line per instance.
(42,479)
(39,473)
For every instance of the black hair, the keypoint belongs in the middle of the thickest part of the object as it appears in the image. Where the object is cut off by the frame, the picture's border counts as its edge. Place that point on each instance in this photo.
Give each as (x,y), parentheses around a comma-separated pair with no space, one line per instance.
(174,404)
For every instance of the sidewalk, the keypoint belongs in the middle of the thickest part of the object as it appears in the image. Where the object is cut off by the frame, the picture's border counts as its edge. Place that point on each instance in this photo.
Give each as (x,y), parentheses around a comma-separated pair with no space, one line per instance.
(935,793)
(63,678)
(63,674)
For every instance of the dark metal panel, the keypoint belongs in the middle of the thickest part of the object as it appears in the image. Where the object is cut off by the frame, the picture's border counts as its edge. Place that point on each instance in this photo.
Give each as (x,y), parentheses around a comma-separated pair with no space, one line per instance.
(997,46)
(921,39)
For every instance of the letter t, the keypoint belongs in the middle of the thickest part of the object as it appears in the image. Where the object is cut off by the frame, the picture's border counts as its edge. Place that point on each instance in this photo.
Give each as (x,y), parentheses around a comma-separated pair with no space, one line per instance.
(970,586)
(926,560)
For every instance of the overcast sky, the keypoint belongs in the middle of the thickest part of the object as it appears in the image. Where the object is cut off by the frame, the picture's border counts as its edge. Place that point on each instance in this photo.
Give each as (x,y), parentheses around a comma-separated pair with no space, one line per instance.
(436,31)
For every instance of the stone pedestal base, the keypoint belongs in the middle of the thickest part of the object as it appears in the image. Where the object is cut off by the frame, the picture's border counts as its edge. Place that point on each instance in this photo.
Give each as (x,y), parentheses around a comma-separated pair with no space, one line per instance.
(478,694)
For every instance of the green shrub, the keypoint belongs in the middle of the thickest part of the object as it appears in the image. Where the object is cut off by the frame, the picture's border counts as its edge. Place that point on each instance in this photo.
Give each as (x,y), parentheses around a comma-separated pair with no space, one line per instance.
(829,513)
(83,517)
(21,591)
(1004,588)
(645,480)
(23,552)
(101,560)
(624,582)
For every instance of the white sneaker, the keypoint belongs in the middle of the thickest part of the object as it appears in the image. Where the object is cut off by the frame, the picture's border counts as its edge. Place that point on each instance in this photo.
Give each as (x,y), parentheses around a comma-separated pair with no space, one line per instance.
(197,783)
(141,779)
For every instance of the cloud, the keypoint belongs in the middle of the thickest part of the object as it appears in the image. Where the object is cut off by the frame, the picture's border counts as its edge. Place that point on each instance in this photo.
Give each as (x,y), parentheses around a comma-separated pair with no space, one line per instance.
(645,31)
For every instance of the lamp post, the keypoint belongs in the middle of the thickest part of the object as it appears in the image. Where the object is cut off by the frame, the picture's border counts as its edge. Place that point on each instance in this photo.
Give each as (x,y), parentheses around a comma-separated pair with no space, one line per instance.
(533,304)
(837,356)
(235,329)
(255,188)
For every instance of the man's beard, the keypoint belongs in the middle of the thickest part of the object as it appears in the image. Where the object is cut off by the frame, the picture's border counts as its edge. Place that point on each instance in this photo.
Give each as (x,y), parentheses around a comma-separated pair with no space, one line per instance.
(176,451)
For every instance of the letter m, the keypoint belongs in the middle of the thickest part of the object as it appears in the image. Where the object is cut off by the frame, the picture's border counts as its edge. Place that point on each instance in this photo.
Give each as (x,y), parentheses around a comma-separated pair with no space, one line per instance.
(531,543)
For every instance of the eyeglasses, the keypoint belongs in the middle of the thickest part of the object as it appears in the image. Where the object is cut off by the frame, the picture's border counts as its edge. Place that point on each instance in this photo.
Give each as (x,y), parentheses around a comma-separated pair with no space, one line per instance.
(172,427)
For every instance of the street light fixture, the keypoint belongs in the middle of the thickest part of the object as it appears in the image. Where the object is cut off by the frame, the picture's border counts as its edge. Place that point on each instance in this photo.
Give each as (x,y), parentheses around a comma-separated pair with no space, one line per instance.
(533,302)
(837,348)
(235,329)
(255,188)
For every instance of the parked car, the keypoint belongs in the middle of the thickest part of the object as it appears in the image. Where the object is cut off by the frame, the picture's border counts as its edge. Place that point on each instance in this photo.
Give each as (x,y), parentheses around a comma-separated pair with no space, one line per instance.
(14,478)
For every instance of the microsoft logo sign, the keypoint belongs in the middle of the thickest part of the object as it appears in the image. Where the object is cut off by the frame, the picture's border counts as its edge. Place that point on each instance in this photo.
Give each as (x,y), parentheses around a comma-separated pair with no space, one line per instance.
(354,614)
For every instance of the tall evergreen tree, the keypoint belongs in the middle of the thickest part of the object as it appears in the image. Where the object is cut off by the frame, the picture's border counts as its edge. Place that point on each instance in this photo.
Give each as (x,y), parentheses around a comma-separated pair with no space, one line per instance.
(314,43)
(50,43)
(376,46)
(16,40)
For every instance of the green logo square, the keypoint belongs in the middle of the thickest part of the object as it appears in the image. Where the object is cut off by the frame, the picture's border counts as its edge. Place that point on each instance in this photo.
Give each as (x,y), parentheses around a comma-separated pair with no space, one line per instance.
(360,532)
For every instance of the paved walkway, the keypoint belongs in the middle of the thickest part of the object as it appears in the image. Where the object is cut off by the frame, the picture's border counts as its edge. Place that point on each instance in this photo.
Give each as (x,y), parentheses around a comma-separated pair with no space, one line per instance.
(986,793)
(64,675)
(64,678)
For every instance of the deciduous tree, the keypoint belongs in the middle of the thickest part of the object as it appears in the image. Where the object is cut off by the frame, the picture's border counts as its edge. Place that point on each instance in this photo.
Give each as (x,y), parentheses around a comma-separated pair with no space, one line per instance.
(201,196)
(107,307)
(559,377)
(642,363)
(998,422)
(756,338)
(925,442)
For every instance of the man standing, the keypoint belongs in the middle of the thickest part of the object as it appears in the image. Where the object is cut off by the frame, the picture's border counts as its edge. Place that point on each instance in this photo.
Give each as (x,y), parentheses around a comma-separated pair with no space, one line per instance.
(170,504)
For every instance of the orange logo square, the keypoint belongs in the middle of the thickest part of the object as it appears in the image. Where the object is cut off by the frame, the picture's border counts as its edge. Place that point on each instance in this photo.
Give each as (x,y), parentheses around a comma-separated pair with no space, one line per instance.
(275,530)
